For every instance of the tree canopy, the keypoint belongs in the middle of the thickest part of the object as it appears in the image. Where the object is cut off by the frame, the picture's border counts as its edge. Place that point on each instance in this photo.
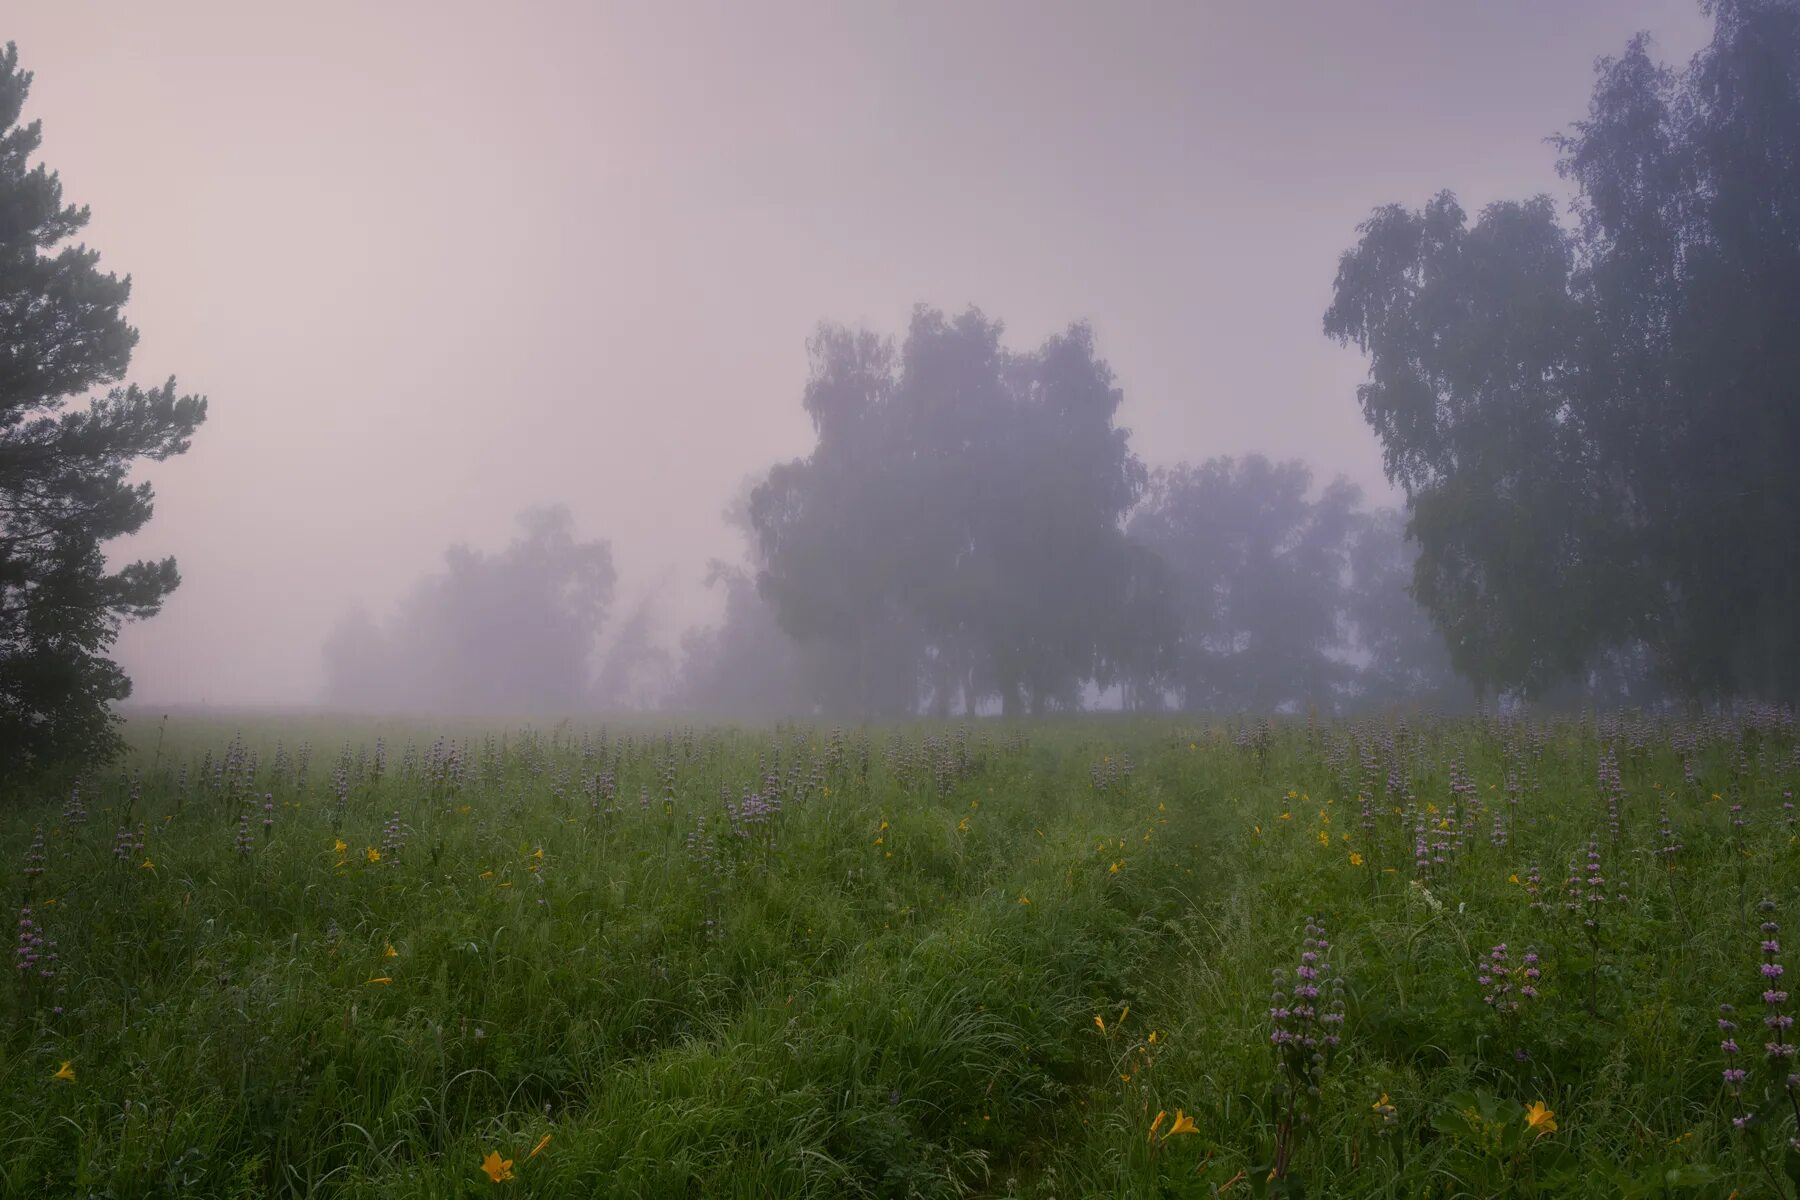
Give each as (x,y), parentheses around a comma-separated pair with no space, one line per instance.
(64,466)
(1595,424)
(956,531)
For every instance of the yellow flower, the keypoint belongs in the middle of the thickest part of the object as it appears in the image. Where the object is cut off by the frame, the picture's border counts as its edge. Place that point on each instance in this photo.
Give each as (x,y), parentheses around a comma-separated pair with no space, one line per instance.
(1156,1124)
(1153,1037)
(1355,859)
(1024,899)
(962,826)
(1324,838)
(538,854)
(1100,1022)
(1124,1014)
(338,846)
(390,952)
(542,1142)
(1381,1103)
(487,874)
(148,865)
(66,1071)
(1287,816)
(373,854)
(1512,878)
(1183,1124)
(1114,869)
(884,825)
(381,979)
(498,1169)
(1539,1117)
(880,840)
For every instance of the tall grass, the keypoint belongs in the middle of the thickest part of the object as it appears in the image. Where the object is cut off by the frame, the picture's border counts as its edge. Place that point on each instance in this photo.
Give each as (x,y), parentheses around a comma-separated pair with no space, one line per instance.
(898,962)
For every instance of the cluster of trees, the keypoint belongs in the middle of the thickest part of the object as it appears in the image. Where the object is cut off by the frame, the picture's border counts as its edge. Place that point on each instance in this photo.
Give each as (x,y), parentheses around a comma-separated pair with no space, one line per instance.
(973,532)
(1596,426)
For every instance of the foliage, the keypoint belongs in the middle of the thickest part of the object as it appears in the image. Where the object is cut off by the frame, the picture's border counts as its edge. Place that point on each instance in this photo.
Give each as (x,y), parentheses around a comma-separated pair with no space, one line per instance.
(955,532)
(64,488)
(1259,568)
(1594,426)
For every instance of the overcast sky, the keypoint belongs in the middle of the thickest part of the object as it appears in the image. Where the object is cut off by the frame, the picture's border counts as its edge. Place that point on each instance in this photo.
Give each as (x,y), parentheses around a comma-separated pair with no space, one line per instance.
(435,262)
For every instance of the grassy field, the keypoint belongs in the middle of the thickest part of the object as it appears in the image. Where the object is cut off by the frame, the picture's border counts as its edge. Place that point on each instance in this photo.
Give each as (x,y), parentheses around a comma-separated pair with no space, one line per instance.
(1031,960)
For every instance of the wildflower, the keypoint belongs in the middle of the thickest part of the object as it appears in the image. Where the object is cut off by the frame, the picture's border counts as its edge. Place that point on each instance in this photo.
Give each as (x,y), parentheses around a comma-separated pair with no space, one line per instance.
(1024,899)
(1356,860)
(382,979)
(1183,1124)
(389,952)
(1156,1124)
(147,865)
(65,1072)
(373,854)
(1114,869)
(1539,1117)
(535,1150)
(1100,1022)
(498,1169)
(1152,1038)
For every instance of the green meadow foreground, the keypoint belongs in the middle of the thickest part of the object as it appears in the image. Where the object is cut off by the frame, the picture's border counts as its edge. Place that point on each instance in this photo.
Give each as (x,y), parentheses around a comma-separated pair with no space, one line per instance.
(1143,957)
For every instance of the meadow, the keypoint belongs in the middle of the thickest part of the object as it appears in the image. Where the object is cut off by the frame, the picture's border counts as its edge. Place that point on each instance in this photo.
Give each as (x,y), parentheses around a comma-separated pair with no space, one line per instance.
(1146,956)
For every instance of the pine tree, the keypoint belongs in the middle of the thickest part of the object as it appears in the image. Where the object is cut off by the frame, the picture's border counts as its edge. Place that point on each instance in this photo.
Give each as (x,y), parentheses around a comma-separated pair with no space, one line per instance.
(64,486)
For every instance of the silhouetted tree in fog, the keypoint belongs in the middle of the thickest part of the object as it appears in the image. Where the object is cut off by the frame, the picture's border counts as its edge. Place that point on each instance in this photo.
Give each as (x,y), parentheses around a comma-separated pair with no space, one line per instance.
(1259,568)
(1596,428)
(512,632)
(955,533)
(63,472)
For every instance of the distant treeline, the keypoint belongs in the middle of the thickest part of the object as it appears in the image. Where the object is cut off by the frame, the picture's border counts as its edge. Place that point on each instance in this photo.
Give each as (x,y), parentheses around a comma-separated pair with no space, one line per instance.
(971,533)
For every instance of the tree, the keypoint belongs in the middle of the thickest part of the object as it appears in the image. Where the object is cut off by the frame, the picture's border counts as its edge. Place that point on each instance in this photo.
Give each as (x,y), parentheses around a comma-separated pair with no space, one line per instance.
(956,531)
(64,488)
(1595,426)
(512,632)
(1398,653)
(746,665)
(1258,568)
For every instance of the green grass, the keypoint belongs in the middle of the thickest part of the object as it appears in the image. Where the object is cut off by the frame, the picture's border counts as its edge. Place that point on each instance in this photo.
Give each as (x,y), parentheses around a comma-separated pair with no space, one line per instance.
(890,987)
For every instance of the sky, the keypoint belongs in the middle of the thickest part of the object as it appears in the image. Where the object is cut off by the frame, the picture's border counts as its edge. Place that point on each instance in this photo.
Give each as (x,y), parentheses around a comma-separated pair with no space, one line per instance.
(434,263)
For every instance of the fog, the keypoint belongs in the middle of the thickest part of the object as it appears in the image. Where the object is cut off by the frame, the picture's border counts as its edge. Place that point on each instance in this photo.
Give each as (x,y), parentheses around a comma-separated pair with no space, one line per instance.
(440,265)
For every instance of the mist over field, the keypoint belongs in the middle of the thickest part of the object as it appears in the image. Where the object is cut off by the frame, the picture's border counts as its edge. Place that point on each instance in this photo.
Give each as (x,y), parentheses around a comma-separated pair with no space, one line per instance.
(441,268)
(930,601)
